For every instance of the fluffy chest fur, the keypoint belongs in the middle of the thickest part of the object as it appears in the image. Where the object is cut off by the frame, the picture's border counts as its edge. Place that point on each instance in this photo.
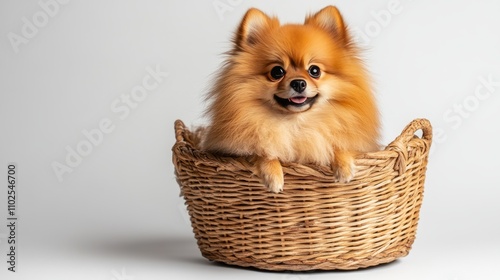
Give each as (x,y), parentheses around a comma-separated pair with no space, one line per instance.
(289,139)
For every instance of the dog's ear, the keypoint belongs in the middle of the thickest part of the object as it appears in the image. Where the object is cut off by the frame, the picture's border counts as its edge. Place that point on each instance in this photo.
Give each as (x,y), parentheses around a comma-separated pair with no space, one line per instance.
(252,26)
(330,19)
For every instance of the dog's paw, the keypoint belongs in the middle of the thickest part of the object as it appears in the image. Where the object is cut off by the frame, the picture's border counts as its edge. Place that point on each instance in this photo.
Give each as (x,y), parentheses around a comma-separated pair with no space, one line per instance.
(273,182)
(344,167)
(271,174)
(345,172)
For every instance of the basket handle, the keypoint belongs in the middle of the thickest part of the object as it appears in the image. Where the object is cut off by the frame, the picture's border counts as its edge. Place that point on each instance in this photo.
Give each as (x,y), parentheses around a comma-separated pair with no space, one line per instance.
(400,144)
(179,131)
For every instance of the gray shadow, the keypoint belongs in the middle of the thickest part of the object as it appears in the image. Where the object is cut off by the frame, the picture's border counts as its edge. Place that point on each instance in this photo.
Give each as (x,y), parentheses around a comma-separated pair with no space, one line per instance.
(184,251)
(161,249)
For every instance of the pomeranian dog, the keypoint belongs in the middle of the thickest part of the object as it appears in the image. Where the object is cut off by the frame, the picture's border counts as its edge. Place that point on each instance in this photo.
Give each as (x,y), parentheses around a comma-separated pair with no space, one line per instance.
(292,93)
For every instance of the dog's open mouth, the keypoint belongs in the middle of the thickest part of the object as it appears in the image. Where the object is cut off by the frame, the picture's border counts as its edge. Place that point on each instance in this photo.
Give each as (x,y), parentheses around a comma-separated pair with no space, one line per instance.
(296,101)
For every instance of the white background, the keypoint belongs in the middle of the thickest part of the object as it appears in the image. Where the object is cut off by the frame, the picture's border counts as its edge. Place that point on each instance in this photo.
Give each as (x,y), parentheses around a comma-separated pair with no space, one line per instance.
(118,214)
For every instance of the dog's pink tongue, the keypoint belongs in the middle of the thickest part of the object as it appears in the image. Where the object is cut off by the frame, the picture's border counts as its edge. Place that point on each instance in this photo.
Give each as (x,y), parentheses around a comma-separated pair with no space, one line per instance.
(298,99)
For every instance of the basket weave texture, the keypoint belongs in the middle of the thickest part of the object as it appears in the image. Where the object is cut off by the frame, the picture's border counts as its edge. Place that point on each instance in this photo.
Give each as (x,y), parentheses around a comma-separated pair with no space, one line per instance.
(315,223)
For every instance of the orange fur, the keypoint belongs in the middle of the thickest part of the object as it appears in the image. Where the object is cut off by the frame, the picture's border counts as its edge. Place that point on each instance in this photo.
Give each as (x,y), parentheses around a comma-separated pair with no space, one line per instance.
(247,119)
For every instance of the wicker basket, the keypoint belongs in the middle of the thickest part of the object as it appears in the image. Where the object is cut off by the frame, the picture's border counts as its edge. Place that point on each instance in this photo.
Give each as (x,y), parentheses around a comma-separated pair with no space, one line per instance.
(315,223)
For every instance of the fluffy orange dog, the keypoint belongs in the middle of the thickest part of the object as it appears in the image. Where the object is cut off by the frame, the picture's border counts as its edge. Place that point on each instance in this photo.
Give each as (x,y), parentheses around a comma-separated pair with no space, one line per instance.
(293,93)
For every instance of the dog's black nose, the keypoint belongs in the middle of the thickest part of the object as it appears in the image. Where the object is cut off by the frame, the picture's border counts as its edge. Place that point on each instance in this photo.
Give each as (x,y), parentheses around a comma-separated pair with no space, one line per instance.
(298,85)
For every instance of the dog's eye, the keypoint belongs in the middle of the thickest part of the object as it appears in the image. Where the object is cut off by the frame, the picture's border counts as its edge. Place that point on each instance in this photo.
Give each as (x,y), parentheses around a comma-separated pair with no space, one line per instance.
(314,71)
(277,73)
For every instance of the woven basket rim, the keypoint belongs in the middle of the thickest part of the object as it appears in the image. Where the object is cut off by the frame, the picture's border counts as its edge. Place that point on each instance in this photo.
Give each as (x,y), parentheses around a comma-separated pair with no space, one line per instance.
(395,149)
